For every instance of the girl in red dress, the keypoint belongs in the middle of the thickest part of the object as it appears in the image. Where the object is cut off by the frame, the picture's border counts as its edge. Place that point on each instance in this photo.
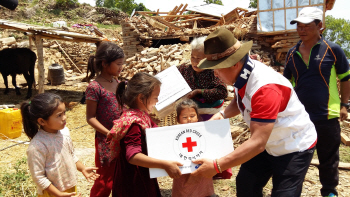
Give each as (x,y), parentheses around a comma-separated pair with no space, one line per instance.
(102,109)
(128,140)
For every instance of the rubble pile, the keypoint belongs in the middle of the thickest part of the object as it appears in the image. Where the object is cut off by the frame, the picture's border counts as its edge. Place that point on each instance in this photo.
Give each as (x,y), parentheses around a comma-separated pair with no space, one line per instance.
(139,31)
(154,60)
(78,52)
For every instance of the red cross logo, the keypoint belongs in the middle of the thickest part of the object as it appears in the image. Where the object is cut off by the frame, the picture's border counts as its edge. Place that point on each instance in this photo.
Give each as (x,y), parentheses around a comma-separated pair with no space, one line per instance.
(189,144)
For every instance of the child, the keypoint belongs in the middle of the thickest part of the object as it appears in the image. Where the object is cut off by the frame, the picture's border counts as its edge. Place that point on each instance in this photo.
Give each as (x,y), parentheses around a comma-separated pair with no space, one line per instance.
(51,159)
(102,109)
(128,144)
(187,185)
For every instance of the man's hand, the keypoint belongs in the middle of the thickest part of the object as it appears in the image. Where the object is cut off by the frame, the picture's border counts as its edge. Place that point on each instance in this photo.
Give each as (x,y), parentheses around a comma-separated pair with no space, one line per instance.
(89,173)
(206,169)
(217,116)
(343,113)
(194,93)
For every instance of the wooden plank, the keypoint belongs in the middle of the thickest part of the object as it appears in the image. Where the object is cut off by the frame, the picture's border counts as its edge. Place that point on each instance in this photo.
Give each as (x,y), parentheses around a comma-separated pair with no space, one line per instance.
(178,16)
(68,57)
(41,69)
(342,165)
(172,11)
(183,10)
(176,11)
(168,24)
(155,23)
(210,19)
(187,20)
(149,12)
(345,139)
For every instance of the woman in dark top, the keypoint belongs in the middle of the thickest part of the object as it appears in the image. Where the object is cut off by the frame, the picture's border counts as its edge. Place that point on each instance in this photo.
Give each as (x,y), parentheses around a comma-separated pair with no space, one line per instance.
(208,91)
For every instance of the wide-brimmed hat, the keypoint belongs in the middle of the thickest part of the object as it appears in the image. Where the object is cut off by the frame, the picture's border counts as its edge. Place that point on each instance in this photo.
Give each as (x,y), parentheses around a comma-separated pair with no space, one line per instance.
(223,50)
(308,15)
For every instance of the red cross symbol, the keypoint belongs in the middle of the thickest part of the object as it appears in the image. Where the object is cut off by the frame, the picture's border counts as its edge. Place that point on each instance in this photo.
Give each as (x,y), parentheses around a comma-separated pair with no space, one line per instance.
(189,144)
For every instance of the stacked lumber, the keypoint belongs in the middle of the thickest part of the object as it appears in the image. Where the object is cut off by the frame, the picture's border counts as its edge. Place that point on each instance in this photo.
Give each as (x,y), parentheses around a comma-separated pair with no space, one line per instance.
(154,60)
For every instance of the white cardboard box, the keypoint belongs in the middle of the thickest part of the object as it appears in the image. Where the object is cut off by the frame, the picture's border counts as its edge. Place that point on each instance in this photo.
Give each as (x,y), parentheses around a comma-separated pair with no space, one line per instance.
(186,142)
(173,87)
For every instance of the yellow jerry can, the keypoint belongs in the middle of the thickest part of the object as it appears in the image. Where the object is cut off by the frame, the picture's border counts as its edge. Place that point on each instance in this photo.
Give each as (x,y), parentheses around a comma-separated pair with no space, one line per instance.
(10,123)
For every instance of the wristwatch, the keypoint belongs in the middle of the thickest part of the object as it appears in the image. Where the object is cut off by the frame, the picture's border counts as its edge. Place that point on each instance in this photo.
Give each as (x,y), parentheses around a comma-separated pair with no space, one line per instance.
(347,105)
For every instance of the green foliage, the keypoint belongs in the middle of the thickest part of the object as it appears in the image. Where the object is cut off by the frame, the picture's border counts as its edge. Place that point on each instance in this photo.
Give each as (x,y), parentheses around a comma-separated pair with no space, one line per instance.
(66,3)
(338,31)
(17,183)
(126,6)
(253,4)
(219,2)
(99,3)
(109,3)
(99,25)
(141,7)
(56,11)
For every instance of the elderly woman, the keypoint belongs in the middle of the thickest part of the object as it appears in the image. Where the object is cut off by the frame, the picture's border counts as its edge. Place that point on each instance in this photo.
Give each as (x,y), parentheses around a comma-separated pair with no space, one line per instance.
(208,91)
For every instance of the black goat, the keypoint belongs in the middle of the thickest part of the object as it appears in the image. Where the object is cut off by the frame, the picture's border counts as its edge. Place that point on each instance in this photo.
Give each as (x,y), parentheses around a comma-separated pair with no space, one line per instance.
(18,61)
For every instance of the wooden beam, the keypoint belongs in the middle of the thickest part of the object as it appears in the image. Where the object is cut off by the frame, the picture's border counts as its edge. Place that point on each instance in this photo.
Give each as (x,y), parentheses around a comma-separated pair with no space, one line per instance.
(183,10)
(345,139)
(175,13)
(187,20)
(168,24)
(41,69)
(68,57)
(30,43)
(178,16)
(342,165)
(146,12)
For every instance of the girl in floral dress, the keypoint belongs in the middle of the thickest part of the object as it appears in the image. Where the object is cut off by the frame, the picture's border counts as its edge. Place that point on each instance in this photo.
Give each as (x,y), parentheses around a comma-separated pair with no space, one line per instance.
(102,109)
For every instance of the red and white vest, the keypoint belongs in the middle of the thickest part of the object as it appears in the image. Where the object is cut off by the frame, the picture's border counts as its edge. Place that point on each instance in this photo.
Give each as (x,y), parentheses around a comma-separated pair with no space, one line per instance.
(293,130)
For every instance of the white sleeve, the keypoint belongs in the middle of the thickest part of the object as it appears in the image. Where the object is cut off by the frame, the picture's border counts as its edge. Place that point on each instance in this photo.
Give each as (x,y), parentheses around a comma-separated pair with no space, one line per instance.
(36,162)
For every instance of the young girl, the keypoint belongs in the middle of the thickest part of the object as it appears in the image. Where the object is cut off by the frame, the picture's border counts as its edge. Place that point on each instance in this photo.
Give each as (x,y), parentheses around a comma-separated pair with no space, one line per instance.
(102,108)
(128,144)
(51,159)
(187,185)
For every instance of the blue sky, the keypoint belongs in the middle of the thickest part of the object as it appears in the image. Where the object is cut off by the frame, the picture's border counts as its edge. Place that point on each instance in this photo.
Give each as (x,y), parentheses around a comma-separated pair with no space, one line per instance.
(340,9)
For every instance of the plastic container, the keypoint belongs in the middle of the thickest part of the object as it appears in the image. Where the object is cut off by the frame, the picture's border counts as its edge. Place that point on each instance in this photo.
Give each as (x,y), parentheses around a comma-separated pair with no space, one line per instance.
(59,24)
(56,74)
(10,123)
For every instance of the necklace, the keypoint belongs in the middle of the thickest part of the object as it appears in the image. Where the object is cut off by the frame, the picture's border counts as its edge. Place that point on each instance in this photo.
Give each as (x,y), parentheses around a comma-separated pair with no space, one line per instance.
(110,81)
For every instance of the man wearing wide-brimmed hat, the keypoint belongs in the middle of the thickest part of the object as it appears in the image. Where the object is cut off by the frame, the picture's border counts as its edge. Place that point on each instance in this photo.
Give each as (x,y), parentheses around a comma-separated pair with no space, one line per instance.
(313,66)
(282,135)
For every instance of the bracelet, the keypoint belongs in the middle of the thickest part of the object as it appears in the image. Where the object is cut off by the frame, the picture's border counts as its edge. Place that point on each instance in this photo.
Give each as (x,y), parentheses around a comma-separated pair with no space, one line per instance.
(222,112)
(217,163)
(202,91)
(215,166)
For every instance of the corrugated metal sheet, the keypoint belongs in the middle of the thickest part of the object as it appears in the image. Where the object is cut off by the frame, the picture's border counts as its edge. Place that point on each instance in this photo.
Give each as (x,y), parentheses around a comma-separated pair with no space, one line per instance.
(213,9)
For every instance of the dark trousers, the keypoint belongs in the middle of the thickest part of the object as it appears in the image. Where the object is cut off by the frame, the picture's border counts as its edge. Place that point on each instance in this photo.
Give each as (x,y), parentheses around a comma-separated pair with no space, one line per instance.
(328,141)
(287,172)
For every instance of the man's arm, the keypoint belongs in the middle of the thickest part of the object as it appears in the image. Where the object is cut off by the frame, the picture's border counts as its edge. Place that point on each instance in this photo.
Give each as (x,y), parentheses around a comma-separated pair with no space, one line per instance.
(230,111)
(345,94)
(249,149)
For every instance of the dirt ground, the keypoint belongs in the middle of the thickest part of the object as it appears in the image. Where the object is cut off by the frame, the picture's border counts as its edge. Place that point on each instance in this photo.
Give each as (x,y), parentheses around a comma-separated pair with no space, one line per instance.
(83,139)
